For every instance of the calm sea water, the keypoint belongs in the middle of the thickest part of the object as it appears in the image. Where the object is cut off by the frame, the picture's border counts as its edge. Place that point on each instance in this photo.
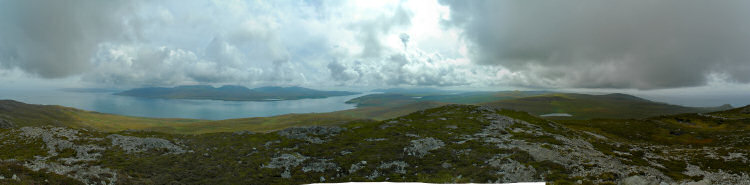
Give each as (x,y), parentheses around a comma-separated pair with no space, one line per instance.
(173,108)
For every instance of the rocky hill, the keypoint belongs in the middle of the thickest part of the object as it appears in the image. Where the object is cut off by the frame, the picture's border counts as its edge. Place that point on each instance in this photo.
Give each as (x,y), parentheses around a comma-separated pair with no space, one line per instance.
(453,143)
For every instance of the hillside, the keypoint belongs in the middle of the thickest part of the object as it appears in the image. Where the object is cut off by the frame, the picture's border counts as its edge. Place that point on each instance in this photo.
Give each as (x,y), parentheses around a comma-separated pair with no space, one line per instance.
(584,106)
(454,143)
(18,114)
(231,93)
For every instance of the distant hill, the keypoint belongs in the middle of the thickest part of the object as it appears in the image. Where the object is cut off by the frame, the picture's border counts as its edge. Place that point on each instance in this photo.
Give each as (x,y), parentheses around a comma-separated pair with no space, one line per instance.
(232,93)
(415,91)
(391,99)
(585,106)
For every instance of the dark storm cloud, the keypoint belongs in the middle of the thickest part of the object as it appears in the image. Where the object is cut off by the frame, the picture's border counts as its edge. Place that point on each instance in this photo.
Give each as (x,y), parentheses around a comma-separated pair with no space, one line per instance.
(56,38)
(615,44)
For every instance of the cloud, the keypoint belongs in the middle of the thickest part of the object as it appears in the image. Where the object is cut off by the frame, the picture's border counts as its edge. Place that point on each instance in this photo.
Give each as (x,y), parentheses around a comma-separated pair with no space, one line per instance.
(55,39)
(371,31)
(404,39)
(609,44)
(415,68)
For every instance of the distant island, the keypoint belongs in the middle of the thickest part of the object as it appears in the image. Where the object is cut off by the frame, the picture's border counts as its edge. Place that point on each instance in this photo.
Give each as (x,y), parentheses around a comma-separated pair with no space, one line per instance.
(232,93)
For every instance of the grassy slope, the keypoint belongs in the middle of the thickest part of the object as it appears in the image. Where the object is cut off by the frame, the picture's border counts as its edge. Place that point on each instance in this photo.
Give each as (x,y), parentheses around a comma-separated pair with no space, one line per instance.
(583,106)
(377,107)
(235,159)
(22,114)
(689,128)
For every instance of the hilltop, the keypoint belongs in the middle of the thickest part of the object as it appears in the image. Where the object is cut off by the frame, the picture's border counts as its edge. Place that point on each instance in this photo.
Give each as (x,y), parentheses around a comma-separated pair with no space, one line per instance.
(452,143)
(232,93)
(580,106)
(585,106)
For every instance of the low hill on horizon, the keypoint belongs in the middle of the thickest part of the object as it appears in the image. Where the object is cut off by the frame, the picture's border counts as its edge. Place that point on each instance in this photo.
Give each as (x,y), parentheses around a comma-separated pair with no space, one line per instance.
(586,106)
(232,93)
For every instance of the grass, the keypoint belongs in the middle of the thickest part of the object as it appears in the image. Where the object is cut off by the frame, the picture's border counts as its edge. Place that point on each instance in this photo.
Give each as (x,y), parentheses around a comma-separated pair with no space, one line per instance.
(22,114)
(226,158)
(583,106)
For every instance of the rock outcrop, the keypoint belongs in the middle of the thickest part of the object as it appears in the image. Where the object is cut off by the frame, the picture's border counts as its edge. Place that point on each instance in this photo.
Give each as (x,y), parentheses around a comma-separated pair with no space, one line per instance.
(135,144)
(5,124)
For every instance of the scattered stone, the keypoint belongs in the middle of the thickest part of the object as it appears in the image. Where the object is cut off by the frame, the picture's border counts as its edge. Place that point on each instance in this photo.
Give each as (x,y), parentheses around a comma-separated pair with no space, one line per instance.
(136,144)
(286,161)
(320,165)
(398,166)
(356,166)
(411,135)
(374,175)
(375,139)
(512,170)
(308,133)
(58,139)
(421,147)
(451,126)
(446,165)
(635,180)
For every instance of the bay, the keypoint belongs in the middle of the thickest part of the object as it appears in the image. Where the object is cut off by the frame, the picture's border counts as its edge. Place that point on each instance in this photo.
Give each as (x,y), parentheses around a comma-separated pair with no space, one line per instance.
(106,102)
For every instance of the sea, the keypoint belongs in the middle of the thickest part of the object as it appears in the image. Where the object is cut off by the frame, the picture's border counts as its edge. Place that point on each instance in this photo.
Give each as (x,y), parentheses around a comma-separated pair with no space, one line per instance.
(107,102)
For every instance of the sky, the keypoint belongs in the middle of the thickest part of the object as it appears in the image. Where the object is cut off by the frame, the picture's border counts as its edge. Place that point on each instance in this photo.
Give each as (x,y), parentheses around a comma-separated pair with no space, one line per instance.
(674,50)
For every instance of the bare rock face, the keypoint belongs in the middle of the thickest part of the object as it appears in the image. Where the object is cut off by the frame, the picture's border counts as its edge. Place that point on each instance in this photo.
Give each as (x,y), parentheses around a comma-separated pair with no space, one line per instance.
(135,144)
(6,124)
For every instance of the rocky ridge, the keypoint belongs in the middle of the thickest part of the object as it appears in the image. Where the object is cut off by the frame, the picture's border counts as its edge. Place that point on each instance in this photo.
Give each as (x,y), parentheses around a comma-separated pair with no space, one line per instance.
(453,143)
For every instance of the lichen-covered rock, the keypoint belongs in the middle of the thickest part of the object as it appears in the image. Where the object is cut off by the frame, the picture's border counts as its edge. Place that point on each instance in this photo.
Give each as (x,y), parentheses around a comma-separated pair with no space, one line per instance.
(6,124)
(59,139)
(309,133)
(356,166)
(422,147)
(136,144)
(636,180)
(512,170)
(320,165)
(397,166)
(286,161)
(375,139)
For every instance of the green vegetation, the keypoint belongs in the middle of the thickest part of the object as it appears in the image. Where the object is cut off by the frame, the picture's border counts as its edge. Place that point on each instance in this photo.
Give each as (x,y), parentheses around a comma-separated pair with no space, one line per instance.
(468,151)
(27,176)
(583,106)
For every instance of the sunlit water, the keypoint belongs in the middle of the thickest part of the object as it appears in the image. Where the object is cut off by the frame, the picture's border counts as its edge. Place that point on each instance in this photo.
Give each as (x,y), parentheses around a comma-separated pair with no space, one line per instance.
(175,108)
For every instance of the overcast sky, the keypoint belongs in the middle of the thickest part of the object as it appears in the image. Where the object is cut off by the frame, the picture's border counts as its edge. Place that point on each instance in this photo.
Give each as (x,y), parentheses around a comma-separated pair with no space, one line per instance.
(639,46)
